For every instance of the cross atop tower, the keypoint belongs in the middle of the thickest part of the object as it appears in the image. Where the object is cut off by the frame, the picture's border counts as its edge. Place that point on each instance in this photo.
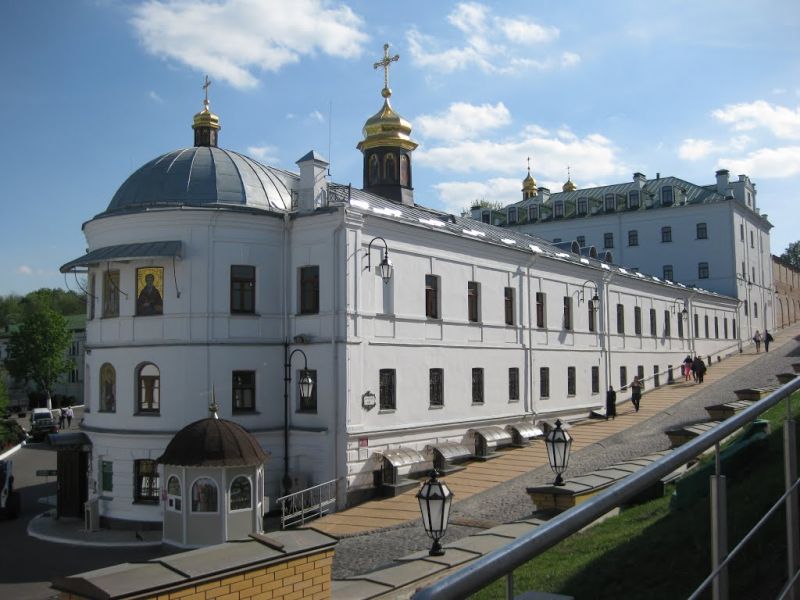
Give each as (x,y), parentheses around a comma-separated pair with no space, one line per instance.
(529,165)
(206,84)
(385,62)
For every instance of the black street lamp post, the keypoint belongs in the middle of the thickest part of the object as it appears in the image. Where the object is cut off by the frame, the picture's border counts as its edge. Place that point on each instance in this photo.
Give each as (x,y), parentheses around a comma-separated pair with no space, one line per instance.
(558,443)
(434,503)
(306,386)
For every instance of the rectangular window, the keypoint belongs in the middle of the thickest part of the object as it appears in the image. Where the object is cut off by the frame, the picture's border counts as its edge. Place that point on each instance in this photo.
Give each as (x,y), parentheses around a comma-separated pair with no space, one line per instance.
(667,324)
(309,290)
(667,197)
(308,405)
(512,215)
(752,245)
(544,382)
(702,231)
(244,391)
(473,301)
(486,217)
(110,294)
(640,373)
(716,327)
(633,199)
(745,307)
(620,319)
(583,206)
(558,211)
(611,202)
(725,327)
(592,317)
(513,383)
(508,303)
(436,387)
(568,312)
(149,384)
(637,320)
(666,234)
(656,377)
(668,273)
(92,295)
(696,325)
(595,380)
(741,232)
(705,319)
(145,477)
(623,378)
(477,385)
(581,239)
(755,309)
(106,476)
(680,325)
(633,237)
(744,270)
(570,381)
(733,328)
(387,389)
(540,315)
(431,296)
(243,289)
(653,327)
(608,240)
(702,270)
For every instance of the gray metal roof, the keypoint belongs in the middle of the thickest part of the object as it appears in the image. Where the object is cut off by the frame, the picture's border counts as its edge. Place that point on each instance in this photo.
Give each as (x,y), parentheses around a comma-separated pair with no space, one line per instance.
(203,176)
(126,252)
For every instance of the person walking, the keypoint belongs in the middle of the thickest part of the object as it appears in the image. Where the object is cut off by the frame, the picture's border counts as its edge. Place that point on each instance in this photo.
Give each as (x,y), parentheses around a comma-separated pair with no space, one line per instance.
(757,341)
(687,368)
(699,369)
(636,392)
(70,414)
(611,403)
(767,339)
(61,417)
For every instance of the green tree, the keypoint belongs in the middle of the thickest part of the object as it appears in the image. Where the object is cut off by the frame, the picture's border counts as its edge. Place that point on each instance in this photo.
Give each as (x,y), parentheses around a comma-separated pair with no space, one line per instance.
(3,392)
(37,351)
(792,254)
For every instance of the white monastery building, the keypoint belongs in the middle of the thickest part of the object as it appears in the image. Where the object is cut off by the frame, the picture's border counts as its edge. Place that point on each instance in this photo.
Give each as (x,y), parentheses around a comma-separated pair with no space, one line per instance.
(710,236)
(210,272)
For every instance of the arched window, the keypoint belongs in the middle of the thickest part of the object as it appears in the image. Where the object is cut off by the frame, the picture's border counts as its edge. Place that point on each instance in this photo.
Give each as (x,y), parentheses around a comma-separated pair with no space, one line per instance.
(204,495)
(148,393)
(404,170)
(241,494)
(108,388)
(374,170)
(390,168)
(174,495)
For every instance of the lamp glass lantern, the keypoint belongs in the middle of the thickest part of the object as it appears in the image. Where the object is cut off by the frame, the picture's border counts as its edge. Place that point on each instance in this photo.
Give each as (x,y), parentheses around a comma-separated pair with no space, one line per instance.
(306,385)
(385,269)
(558,443)
(435,499)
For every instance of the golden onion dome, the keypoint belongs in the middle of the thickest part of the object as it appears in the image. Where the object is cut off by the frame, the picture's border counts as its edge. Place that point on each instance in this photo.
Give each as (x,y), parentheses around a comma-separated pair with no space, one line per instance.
(205,118)
(569,186)
(387,128)
(529,183)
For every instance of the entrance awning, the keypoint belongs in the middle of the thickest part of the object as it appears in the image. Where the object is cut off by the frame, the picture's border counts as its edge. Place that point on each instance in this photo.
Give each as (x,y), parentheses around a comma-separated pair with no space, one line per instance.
(124,252)
(70,439)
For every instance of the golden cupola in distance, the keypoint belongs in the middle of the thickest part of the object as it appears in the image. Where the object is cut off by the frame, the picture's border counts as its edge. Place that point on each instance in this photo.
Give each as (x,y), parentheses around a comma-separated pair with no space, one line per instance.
(528,184)
(387,146)
(569,185)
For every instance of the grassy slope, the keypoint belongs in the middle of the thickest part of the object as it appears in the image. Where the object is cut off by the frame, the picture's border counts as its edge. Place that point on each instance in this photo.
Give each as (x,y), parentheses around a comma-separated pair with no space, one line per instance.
(651,552)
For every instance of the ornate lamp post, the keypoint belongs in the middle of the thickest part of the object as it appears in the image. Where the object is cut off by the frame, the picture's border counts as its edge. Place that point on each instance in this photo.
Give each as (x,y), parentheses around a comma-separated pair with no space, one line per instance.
(434,503)
(306,386)
(558,443)
(385,268)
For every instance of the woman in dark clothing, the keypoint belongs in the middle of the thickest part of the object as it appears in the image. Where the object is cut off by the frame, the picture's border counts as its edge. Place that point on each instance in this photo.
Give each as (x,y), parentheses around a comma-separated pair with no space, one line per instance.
(611,403)
(699,368)
(767,339)
(636,392)
(687,368)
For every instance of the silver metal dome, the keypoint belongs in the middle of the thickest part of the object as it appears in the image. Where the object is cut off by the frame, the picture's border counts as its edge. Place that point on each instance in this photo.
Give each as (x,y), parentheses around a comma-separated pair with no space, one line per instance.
(203,176)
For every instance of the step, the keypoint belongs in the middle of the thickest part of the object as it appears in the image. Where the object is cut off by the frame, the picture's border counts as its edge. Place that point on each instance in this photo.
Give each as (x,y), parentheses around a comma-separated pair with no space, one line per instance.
(720,412)
(680,435)
(755,394)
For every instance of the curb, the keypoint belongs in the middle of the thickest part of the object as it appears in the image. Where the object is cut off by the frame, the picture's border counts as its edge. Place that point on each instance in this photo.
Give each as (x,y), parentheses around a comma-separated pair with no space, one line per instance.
(76,542)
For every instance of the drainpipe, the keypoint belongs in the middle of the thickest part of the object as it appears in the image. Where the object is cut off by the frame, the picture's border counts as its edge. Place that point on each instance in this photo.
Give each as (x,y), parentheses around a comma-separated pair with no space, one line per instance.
(338,262)
(605,336)
(530,338)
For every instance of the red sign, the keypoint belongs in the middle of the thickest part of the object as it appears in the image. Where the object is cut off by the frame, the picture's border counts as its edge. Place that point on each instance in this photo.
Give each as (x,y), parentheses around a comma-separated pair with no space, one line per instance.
(363,442)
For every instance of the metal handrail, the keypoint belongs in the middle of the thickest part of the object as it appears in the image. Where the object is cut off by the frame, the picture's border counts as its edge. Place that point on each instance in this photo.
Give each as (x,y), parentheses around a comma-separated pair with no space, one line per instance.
(503,561)
(302,506)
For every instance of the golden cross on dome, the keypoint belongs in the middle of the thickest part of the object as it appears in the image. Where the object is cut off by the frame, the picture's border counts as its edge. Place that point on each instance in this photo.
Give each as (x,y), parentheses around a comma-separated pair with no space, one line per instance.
(385,62)
(206,84)
(569,174)
(529,165)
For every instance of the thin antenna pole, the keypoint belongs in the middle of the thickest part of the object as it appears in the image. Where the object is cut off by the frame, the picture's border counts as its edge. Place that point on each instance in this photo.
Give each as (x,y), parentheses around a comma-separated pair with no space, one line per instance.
(330,115)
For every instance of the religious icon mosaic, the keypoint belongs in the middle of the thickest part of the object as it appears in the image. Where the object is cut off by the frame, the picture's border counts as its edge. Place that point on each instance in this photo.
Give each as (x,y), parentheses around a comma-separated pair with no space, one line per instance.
(149,291)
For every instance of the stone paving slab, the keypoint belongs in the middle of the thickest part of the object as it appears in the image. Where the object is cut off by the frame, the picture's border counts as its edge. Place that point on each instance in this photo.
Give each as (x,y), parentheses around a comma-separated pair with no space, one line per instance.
(511,530)
(481,544)
(402,574)
(451,558)
(352,589)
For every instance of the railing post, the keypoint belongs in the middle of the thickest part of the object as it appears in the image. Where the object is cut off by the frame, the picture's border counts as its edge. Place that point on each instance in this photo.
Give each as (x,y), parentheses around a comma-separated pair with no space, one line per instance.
(792,517)
(510,585)
(719,529)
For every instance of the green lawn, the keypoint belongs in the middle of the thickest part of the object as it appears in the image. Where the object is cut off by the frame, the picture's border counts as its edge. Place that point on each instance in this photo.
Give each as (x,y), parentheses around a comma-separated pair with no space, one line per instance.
(651,552)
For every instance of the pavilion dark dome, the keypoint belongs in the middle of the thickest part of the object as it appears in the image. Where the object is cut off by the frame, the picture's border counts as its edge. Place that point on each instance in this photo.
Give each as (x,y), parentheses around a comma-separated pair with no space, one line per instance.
(213,443)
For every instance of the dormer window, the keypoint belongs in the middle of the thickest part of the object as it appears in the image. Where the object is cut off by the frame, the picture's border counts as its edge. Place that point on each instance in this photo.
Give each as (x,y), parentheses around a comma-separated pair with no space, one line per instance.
(512,215)
(633,199)
(667,195)
(583,206)
(486,216)
(611,202)
(534,213)
(558,210)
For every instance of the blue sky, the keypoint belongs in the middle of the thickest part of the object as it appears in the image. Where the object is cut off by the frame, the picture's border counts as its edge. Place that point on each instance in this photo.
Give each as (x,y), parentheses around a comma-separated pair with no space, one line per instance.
(91,90)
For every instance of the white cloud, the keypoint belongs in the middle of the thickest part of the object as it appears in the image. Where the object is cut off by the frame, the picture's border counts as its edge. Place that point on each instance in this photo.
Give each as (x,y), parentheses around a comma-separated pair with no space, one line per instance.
(781,121)
(155,97)
(459,195)
(739,142)
(462,120)
(232,40)
(766,163)
(491,44)
(265,153)
(692,149)
(317,116)
(24,270)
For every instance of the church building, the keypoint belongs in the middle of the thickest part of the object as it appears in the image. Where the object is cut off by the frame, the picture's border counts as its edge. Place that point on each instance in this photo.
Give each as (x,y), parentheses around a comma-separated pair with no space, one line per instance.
(340,326)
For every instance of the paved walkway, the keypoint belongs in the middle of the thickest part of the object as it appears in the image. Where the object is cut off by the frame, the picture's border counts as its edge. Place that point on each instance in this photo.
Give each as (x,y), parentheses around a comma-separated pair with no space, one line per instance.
(479,477)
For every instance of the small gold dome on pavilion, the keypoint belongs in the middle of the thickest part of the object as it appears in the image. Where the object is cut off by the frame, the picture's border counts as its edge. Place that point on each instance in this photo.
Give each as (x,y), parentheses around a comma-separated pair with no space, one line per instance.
(569,186)
(529,183)
(205,118)
(387,128)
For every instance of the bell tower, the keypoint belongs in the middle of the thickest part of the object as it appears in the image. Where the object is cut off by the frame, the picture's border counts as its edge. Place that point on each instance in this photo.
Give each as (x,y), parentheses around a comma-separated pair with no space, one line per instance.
(387,146)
